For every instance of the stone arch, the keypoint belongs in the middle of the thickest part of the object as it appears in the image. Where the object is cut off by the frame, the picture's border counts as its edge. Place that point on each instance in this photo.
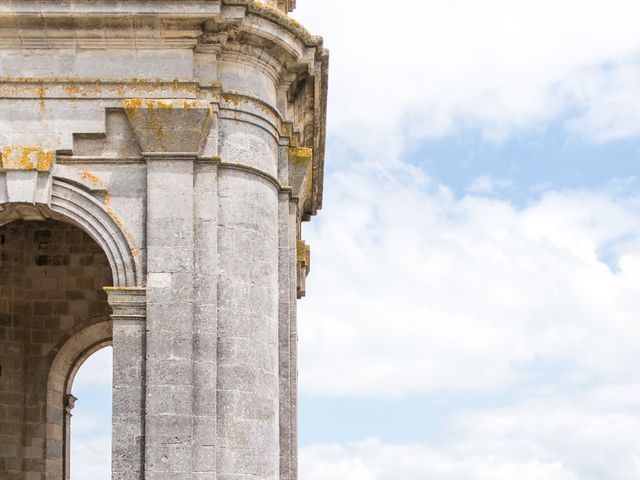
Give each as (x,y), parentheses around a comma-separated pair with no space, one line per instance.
(103,226)
(72,352)
(70,202)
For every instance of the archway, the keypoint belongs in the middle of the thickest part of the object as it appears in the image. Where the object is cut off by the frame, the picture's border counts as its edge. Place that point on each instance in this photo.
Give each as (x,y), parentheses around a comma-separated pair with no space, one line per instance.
(54,315)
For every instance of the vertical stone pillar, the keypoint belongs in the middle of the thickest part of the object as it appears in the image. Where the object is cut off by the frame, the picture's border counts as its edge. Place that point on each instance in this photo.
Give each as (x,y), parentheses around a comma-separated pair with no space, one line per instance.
(69,404)
(128,306)
(205,320)
(172,134)
(170,305)
(248,387)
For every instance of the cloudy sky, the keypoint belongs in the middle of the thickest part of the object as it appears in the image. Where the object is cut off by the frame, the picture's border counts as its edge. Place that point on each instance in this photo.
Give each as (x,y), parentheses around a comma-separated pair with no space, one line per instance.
(473,308)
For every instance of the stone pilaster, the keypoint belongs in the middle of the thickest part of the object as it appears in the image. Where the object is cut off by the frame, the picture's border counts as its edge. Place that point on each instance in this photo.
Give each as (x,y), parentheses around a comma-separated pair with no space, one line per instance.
(128,314)
(205,322)
(172,135)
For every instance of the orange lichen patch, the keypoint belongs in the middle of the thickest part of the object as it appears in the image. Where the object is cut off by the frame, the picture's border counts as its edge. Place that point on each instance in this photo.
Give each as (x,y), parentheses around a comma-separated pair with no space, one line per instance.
(233,98)
(114,216)
(42,92)
(90,177)
(132,104)
(27,158)
(76,91)
(280,14)
(300,155)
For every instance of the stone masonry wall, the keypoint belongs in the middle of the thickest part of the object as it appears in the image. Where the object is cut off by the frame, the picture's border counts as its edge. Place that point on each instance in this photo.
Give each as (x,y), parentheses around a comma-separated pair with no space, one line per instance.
(51,279)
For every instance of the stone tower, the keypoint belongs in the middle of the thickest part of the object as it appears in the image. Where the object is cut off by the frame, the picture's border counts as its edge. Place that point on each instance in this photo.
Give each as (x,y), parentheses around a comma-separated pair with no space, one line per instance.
(157,160)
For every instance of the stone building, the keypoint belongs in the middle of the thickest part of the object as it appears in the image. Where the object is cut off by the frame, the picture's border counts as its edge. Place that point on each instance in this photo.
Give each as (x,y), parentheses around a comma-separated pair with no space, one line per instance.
(157,160)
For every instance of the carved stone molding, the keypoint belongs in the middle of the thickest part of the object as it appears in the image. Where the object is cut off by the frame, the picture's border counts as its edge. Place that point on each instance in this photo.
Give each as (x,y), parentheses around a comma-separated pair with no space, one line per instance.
(127,303)
(170,127)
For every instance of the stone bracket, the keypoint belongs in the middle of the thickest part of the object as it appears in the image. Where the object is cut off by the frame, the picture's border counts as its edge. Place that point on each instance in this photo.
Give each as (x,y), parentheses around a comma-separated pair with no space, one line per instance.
(303,254)
(127,303)
(301,174)
(170,126)
(25,175)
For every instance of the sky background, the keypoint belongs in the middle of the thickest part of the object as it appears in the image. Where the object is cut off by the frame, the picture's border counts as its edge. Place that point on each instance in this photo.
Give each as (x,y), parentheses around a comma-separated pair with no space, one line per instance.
(472,309)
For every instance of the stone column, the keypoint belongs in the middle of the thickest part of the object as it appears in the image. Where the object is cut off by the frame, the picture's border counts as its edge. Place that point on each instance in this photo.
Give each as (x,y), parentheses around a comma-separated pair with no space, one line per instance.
(69,404)
(128,306)
(205,325)
(248,287)
(248,388)
(172,134)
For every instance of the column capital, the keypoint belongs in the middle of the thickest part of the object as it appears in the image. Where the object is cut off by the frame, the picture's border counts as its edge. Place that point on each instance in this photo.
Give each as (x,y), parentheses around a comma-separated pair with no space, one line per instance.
(170,128)
(127,303)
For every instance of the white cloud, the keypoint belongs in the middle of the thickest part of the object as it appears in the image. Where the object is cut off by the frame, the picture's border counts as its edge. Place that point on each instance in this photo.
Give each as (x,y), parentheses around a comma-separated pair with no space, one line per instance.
(97,369)
(372,460)
(414,291)
(550,439)
(91,458)
(426,68)
(486,185)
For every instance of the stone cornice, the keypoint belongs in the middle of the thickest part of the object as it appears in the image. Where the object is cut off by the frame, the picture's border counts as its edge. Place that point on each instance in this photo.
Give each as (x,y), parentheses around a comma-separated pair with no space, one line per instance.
(201,9)
(278,45)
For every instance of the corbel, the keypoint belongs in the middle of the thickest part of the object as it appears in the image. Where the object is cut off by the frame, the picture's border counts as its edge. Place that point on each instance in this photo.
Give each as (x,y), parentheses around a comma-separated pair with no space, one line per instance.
(303,265)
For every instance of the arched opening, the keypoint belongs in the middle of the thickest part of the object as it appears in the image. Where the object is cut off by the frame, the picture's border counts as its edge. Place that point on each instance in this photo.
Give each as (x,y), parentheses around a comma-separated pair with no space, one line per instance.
(53,315)
(88,426)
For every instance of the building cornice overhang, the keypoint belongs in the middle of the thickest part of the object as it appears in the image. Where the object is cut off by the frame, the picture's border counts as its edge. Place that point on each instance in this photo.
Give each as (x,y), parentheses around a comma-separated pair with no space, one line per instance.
(186,24)
(170,9)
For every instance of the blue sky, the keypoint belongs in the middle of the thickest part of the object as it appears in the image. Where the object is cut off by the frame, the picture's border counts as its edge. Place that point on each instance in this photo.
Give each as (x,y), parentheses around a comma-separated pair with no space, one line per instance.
(473,302)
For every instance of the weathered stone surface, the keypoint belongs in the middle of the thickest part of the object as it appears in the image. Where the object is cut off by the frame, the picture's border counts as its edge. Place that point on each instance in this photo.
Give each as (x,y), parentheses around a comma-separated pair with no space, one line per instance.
(171,149)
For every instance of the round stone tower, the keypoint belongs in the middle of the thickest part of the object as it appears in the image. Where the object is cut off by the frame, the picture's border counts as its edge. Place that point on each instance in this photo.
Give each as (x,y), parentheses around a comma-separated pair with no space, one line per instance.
(184,141)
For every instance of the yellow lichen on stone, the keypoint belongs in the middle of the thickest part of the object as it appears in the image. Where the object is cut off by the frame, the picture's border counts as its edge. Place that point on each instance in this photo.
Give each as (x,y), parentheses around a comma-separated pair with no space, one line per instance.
(42,92)
(132,104)
(27,158)
(303,254)
(90,177)
(300,155)
(233,98)
(281,14)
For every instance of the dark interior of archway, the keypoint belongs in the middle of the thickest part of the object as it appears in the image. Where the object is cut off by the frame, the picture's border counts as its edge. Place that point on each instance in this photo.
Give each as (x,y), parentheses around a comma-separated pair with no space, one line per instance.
(51,284)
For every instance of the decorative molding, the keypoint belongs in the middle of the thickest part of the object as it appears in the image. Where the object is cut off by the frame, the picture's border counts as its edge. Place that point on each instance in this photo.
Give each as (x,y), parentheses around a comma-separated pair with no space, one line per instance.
(169,9)
(95,88)
(127,303)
